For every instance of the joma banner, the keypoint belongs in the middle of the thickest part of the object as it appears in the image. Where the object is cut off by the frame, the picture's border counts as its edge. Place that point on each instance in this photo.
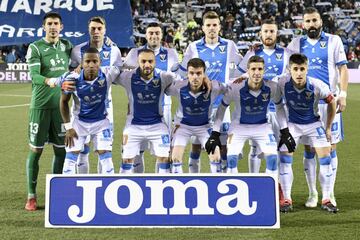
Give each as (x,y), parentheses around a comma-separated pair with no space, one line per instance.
(162,201)
(21,20)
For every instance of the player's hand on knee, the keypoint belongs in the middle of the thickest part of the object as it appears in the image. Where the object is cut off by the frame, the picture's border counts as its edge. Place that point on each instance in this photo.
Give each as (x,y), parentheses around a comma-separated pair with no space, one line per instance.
(69,137)
(212,142)
(287,139)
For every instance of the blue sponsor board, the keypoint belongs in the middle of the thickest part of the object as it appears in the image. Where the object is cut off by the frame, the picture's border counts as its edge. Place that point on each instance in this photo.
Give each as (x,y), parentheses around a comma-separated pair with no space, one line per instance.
(162,201)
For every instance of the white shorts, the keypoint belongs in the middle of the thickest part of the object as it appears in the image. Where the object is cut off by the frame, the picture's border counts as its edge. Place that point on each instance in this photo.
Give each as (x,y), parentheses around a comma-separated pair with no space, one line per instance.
(182,134)
(260,134)
(337,128)
(156,134)
(275,127)
(313,134)
(98,132)
(224,128)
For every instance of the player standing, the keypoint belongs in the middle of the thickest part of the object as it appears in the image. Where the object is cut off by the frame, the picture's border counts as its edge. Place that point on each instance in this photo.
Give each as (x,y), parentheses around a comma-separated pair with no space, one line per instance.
(145,88)
(48,58)
(166,58)
(194,112)
(276,60)
(221,58)
(327,62)
(302,95)
(92,87)
(110,56)
(249,119)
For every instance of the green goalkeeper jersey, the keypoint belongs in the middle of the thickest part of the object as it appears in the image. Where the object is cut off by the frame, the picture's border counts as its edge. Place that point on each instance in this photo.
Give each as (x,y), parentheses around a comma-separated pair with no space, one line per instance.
(47,60)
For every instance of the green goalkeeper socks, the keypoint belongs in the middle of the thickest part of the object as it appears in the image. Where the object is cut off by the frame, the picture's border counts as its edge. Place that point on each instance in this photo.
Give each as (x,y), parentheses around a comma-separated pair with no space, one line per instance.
(58,160)
(32,170)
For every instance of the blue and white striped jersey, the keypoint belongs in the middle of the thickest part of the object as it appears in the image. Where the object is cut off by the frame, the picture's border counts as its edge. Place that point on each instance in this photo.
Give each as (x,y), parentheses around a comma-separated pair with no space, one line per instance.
(90,97)
(220,59)
(145,104)
(194,109)
(251,107)
(303,103)
(325,55)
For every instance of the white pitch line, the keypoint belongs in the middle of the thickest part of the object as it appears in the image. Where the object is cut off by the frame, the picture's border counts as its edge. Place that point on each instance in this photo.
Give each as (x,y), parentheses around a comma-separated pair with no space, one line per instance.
(12,106)
(14,95)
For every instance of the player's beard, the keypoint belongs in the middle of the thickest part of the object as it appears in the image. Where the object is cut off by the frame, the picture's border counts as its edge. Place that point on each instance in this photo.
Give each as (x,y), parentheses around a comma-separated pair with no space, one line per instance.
(313,32)
(268,43)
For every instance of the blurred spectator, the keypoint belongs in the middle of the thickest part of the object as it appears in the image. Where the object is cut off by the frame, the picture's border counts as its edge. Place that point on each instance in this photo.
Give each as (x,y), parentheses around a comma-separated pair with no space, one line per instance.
(169,39)
(11,56)
(2,57)
(178,37)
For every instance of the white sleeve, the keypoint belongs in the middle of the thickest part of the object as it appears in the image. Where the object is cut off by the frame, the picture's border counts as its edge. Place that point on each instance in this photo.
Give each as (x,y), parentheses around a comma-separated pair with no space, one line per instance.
(323,88)
(167,78)
(294,45)
(172,90)
(131,59)
(113,74)
(243,64)
(220,112)
(234,60)
(339,52)
(173,58)
(75,57)
(117,61)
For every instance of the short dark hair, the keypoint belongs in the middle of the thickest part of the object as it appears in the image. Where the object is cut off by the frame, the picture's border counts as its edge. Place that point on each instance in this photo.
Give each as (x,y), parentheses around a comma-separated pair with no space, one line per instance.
(268,21)
(51,15)
(145,50)
(97,19)
(255,59)
(196,63)
(298,58)
(91,50)
(210,15)
(154,24)
(311,10)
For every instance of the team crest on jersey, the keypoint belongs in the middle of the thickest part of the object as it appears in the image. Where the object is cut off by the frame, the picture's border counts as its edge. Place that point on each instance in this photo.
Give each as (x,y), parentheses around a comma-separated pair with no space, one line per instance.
(162,57)
(222,49)
(279,56)
(155,82)
(265,96)
(322,44)
(106,54)
(62,47)
(101,82)
(308,95)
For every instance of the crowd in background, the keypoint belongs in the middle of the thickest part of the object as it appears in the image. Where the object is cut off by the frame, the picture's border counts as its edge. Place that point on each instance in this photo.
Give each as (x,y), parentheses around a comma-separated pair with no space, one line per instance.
(240,19)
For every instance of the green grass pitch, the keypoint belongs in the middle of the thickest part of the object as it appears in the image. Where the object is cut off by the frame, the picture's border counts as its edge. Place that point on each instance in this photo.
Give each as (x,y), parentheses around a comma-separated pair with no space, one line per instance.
(16,223)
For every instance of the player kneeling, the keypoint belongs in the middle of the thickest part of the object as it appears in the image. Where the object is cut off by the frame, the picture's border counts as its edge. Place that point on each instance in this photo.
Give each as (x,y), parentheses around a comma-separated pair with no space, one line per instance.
(194,111)
(302,95)
(89,111)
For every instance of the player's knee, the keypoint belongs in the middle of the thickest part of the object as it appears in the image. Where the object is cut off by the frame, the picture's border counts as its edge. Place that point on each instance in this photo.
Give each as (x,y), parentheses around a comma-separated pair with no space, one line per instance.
(285,158)
(196,148)
(100,152)
(271,162)
(325,160)
(309,149)
(163,159)
(36,150)
(128,160)
(333,146)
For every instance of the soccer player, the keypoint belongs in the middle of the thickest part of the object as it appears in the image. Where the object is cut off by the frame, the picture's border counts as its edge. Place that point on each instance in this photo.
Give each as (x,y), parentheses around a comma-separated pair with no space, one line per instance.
(110,56)
(221,58)
(145,88)
(194,112)
(92,87)
(276,60)
(48,58)
(249,119)
(166,58)
(327,62)
(302,94)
